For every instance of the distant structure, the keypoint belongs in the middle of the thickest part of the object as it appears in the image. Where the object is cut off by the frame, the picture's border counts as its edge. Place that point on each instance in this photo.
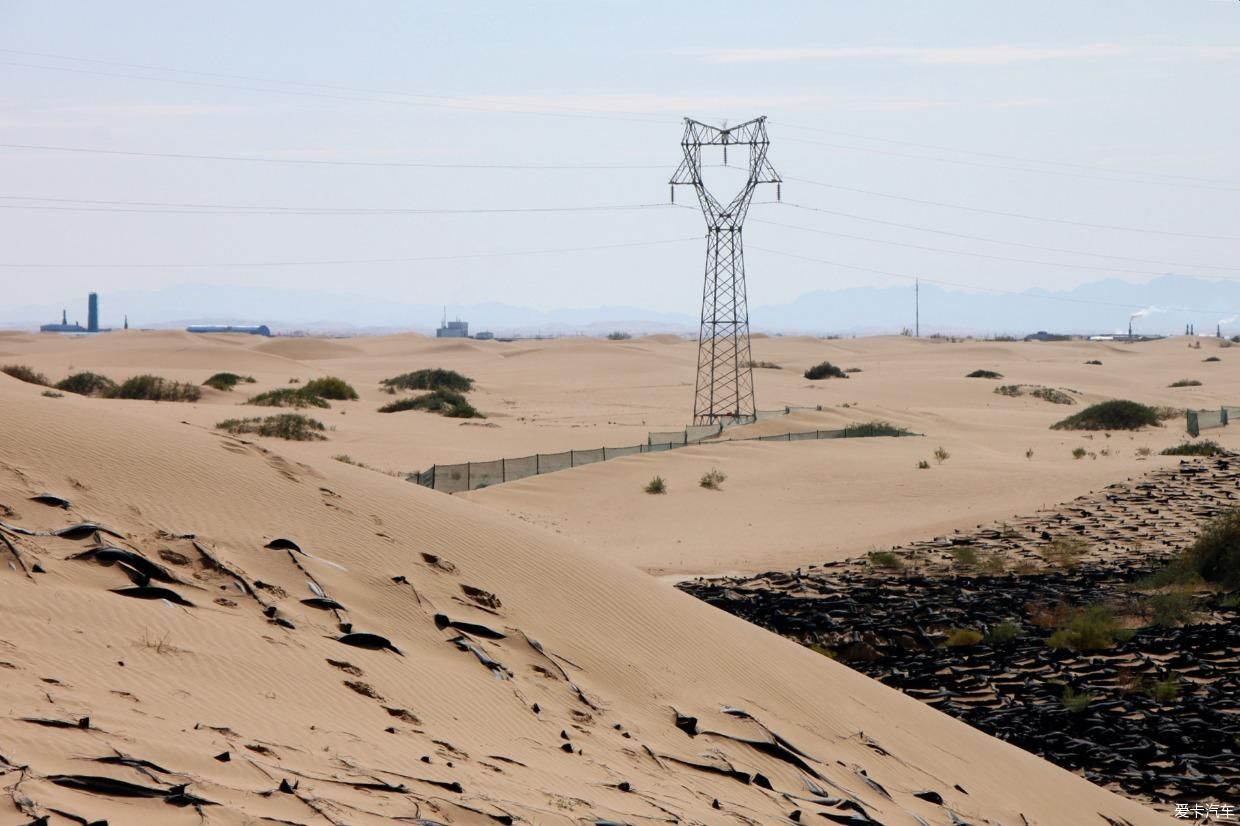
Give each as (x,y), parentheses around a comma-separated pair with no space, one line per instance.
(725,375)
(92,313)
(260,330)
(452,329)
(63,327)
(484,335)
(126,321)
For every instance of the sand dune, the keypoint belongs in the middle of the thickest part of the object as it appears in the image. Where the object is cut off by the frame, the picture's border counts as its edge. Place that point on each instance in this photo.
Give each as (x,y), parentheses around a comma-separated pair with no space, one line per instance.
(250,698)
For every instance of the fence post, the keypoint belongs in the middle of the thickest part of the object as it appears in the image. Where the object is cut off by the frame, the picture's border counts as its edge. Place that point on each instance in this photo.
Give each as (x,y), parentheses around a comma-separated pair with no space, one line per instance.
(468,481)
(503,470)
(1193,428)
(1222,414)
(572,458)
(537,464)
(604,453)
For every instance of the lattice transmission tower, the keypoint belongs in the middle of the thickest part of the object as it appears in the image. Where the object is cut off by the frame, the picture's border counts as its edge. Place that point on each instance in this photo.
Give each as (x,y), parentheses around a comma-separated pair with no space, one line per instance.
(724,375)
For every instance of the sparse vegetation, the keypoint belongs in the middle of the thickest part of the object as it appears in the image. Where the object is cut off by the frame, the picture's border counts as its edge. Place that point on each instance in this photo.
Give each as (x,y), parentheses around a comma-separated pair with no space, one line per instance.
(963,638)
(1164,690)
(1215,556)
(713,479)
(1075,702)
(1064,552)
(87,384)
(52,394)
(1005,631)
(922,464)
(1118,414)
(292,426)
(1050,394)
(434,378)
(1211,358)
(1094,362)
(941,455)
(1185,383)
(656,485)
(852,370)
(287,397)
(157,389)
(965,556)
(330,387)
(763,365)
(447,403)
(885,559)
(21,372)
(825,370)
(1143,451)
(1170,609)
(1079,452)
(984,374)
(227,381)
(1029,453)
(1206,447)
(1092,628)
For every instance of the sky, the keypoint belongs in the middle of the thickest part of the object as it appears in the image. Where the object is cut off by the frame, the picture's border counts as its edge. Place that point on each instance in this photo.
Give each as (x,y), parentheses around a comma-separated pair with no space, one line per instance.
(980,144)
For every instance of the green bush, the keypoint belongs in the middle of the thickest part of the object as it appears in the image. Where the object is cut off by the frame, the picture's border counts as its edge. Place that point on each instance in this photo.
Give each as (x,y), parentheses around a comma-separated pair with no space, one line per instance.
(656,485)
(1075,702)
(287,397)
(87,384)
(1185,383)
(713,479)
(965,556)
(435,378)
(1206,447)
(875,428)
(227,381)
(1079,452)
(157,389)
(825,370)
(984,374)
(1090,629)
(330,387)
(293,426)
(1005,631)
(1170,610)
(23,373)
(963,638)
(1215,556)
(444,402)
(1118,414)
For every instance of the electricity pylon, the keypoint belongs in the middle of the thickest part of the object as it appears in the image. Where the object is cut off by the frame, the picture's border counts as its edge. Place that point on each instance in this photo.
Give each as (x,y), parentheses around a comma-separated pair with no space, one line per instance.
(724,376)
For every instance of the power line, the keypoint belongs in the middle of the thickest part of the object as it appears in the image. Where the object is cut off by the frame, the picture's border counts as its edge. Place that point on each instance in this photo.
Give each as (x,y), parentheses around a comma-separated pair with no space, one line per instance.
(983,238)
(958,285)
(161,207)
(1060,264)
(998,156)
(984,165)
(317,162)
(1023,216)
(354,261)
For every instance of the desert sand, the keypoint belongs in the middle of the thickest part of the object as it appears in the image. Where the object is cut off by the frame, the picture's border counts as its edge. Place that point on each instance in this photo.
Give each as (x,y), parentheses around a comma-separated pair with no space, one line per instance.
(473,721)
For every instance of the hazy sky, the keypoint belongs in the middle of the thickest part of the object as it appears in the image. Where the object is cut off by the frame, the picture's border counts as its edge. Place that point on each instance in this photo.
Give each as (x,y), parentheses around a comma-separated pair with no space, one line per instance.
(1107,112)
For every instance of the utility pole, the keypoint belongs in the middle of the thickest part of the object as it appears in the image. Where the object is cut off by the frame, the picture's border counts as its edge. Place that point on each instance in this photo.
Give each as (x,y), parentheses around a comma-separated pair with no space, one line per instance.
(917,305)
(725,375)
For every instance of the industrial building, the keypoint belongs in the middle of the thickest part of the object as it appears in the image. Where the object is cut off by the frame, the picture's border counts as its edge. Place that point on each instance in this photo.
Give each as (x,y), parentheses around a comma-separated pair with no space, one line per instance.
(259,330)
(92,319)
(453,329)
(64,326)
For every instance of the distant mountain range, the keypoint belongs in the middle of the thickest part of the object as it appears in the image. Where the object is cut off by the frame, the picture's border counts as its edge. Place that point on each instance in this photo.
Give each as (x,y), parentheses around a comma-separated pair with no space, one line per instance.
(1163,305)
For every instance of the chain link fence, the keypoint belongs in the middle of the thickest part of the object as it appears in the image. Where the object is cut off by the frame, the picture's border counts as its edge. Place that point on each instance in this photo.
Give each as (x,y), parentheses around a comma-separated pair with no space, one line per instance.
(475,475)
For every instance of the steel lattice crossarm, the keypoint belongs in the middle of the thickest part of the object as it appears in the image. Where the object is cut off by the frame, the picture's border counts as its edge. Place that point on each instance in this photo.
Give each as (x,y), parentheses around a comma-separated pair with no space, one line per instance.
(724,390)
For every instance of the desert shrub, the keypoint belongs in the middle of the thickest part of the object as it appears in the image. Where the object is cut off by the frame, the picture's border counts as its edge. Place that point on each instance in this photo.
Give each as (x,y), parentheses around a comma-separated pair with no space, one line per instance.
(434,378)
(447,403)
(1005,631)
(965,556)
(963,638)
(1164,690)
(87,384)
(825,370)
(1206,447)
(156,388)
(1215,556)
(1143,451)
(21,372)
(227,381)
(1074,701)
(1064,551)
(1079,452)
(885,559)
(1012,390)
(1211,358)
(1170,609)
(874,428)
(656,485)
(1118,414)
(1095,362)
(763,365)
(287,397)
(984,374)
(292,426)
(1185,383)
(922,464)
(619,335)
(713,479)
(1050,394)
(1090,629)
(53,394)
(941,455)
(330,387)
(852,370)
